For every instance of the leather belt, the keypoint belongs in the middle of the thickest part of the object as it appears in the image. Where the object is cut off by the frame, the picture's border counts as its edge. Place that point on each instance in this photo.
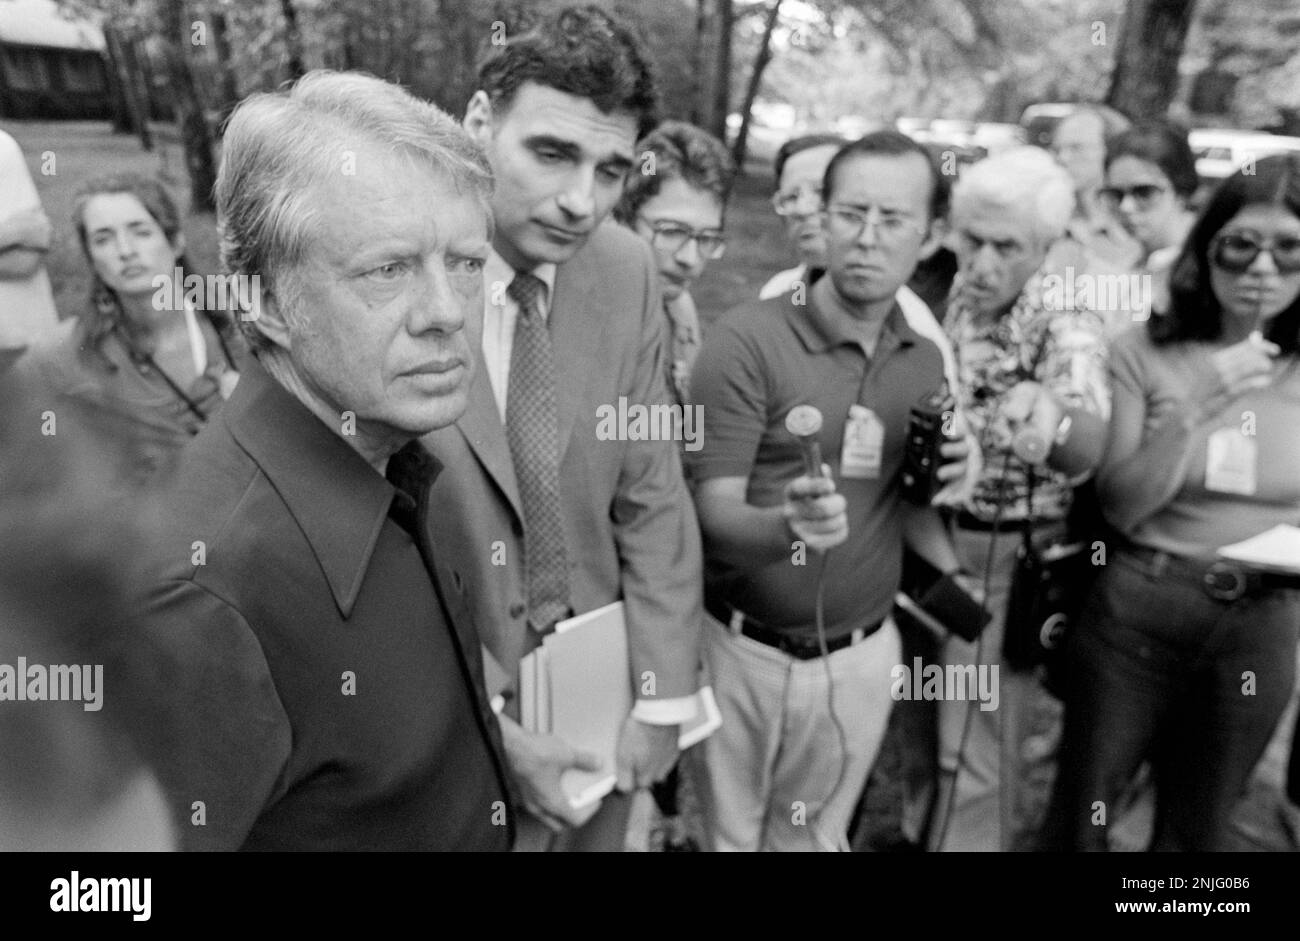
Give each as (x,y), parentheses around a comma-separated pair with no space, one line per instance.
(798,647)
(1221,579)
(965,520)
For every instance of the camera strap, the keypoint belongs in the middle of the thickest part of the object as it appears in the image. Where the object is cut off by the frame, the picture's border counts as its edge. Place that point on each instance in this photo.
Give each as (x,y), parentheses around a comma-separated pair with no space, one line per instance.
(1027,534)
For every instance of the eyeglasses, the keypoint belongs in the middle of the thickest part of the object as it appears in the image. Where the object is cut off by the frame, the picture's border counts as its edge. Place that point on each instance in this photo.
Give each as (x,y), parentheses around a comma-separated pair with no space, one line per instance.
(1144,194)
(850,221)
(1236,251)
(788,202)
(673,236)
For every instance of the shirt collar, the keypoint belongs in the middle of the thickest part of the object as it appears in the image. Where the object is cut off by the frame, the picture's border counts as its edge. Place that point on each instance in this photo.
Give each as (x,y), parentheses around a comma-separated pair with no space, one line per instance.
(338,500)
(820,333)
(497,269)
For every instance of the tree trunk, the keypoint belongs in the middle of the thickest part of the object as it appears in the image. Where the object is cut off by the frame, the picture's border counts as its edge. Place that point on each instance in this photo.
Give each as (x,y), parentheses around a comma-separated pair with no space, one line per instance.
(123,114)
(292,40)
(121,52)
(196,136)
(702,90)
(712,77)
(1152,36)
(228,86)
(755,80)
(142,67)
(722,77)
(458,78)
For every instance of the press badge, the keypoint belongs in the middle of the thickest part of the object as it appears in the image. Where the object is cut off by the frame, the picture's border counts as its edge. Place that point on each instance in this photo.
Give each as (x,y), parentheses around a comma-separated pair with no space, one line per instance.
(1230,462)
(864,436)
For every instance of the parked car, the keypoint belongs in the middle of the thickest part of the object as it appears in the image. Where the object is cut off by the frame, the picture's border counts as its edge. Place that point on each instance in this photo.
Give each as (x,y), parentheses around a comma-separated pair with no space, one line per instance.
(853,126)
(770,126)
(1039,121)
(914,128)
(991,137)
(1220,151)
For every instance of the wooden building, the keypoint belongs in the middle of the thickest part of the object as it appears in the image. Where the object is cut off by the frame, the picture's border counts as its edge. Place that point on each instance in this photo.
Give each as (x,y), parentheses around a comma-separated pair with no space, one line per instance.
(51,66)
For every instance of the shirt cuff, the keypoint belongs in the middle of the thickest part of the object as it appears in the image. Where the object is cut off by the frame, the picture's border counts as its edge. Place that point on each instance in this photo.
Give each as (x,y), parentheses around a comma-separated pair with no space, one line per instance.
(677,711)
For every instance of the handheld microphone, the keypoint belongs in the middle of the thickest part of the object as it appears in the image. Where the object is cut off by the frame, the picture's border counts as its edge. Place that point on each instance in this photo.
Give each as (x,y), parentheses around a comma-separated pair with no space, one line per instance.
(1030,446)
(805,423)
(1028,443)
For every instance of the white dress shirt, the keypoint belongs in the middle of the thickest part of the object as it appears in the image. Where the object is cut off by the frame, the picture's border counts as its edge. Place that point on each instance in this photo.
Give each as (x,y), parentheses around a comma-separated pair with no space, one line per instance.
(500,312)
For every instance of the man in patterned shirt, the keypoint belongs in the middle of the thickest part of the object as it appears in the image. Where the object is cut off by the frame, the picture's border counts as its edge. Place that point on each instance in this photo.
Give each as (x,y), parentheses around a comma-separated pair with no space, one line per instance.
(1024,370)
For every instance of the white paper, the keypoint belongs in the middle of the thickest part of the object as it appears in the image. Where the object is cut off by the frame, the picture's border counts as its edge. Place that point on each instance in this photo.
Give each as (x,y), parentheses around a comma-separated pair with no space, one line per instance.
(1277,549)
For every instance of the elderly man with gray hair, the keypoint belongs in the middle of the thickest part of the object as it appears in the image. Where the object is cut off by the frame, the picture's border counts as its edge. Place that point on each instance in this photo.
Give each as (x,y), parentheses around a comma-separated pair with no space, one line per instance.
(322,669)
(1033,384)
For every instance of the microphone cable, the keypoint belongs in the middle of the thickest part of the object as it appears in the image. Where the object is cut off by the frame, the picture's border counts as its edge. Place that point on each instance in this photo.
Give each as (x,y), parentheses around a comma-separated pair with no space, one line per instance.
(968,720)
(819,616)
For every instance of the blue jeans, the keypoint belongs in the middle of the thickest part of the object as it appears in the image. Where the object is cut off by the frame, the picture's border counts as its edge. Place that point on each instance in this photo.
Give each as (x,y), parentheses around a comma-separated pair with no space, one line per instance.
(1158,670)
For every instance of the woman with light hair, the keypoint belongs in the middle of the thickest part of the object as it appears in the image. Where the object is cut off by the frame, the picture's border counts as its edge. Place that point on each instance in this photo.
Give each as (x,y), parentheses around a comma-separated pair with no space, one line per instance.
(1027,373)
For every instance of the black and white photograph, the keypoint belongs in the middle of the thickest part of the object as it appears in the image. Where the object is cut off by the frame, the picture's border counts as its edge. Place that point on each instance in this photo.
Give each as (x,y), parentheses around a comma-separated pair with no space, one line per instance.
(674,426)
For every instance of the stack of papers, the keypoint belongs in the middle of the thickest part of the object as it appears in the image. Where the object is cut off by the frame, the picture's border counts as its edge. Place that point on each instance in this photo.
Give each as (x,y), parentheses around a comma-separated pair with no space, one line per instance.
(578,687)
(1277,550)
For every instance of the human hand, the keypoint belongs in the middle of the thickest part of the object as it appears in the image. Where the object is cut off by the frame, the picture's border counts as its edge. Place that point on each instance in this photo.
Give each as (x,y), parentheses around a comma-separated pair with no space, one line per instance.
(815,513)
(537,762)
(646,753)
(1241,367)
(962,463)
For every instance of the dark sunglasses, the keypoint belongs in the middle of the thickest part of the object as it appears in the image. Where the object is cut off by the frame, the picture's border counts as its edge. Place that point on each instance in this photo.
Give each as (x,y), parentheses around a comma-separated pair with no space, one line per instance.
(1144,194)
(1236,251)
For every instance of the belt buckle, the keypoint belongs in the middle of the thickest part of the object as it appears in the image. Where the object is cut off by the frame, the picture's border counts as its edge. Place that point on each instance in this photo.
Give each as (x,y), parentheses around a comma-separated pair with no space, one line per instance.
(1224,581)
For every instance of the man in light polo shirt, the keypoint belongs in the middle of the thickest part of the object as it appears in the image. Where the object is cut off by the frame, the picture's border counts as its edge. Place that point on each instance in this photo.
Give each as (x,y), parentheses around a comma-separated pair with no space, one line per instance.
(800,167)
(784,771)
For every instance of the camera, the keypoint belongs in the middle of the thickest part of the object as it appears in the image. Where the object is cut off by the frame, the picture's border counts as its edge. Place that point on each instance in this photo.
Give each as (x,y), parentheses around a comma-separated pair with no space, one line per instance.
(925,436)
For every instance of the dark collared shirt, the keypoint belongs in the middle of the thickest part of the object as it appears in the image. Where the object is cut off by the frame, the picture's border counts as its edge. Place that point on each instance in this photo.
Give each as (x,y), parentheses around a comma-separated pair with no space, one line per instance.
(761,361)
(327,689)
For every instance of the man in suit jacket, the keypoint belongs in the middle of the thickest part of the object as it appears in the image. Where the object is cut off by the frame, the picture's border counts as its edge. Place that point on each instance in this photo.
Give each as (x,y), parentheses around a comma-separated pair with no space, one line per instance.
(324,674)
(546,518)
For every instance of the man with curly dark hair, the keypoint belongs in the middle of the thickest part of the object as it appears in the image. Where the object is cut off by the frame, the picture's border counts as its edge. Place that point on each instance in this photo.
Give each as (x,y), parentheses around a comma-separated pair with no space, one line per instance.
(547,517)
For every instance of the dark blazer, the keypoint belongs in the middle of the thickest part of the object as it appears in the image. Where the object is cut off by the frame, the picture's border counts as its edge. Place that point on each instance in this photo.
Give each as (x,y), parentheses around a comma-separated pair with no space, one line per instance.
(629,522)
(327,690)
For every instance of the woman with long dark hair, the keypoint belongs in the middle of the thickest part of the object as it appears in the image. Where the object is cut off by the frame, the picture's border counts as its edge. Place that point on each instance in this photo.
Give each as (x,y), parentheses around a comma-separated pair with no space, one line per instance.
(1150,181)
(1181,657)
(148,355)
